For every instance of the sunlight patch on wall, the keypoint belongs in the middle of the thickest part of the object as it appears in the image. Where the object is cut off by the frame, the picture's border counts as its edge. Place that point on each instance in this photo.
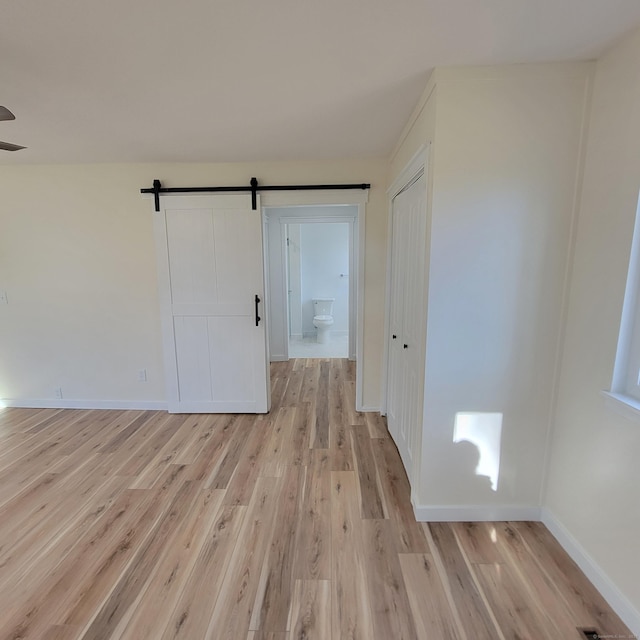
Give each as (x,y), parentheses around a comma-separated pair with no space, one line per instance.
(484,430)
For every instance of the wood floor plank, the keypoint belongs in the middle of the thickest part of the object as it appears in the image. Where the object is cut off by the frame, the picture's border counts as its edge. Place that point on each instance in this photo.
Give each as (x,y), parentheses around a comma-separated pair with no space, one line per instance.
(263,635)
(388,598)
(432,614)
(301,434)
(133,428)
(371,498)
(517,616)
(538,586)
(133,579)
(313,548)
(157,599)
(310,380)
(377,425)
(236,444)
(140,525)
(337,410)
(581,596)
(148,442)
(273,602)
(311,610)
(182,432)
(321,430)
(192,614)
(278,447)
(204,427)
(61,632)
(214,448)
(96,558)
(353,416)
(341,451)
(474,615)
(94,424)
(49,533)
(232,613)
(293,391)
(249,466)
(350,607)
(278,388)
(479,541)
(408,536)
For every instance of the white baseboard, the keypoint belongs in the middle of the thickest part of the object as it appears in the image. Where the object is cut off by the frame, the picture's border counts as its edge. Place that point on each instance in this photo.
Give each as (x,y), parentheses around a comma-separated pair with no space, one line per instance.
(616,599)
(474,513)
(369,409)
(146,405)
(278,358)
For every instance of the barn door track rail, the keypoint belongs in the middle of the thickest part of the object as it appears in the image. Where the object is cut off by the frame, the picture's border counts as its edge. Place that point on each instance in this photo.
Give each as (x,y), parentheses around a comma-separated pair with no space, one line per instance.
(253,187)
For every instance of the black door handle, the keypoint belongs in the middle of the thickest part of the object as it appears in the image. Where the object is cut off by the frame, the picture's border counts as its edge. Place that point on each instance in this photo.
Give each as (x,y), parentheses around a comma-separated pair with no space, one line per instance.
(406,346)
(394,336)
(257,316)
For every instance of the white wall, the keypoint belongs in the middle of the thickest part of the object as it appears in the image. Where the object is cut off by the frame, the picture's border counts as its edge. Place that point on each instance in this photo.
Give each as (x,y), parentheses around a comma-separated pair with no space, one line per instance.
(504,163)
(594,472)
(77,262)
(324,255)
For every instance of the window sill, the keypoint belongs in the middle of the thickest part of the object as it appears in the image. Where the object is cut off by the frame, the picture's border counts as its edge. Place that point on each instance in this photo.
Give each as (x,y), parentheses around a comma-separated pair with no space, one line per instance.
(624,405)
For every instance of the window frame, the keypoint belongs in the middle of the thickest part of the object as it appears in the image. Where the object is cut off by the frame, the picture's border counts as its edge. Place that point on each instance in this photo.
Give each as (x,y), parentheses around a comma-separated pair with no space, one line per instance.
(625,383)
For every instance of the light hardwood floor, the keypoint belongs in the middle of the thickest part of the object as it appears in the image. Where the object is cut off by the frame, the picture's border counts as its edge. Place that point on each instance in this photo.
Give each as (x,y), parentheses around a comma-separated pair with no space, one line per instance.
(293,525)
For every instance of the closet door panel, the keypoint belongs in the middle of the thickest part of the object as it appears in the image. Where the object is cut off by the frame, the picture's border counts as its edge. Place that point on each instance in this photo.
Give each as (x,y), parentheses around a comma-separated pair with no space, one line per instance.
(407,321)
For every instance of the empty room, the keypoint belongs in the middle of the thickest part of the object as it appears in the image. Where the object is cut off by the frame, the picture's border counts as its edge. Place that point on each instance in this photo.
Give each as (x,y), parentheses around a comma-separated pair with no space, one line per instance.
(320,320)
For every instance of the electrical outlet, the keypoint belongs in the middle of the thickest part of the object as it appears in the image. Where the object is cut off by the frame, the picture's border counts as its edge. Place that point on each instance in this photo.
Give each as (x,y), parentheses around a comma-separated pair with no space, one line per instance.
(142,375)
(58,392)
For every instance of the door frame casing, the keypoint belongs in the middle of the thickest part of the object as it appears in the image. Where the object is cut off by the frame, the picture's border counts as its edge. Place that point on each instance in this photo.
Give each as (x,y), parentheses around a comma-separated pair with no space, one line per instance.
(286,199)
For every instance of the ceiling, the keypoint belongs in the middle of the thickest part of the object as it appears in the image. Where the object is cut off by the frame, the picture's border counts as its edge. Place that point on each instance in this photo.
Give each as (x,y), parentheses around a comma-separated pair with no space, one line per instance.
(258,80)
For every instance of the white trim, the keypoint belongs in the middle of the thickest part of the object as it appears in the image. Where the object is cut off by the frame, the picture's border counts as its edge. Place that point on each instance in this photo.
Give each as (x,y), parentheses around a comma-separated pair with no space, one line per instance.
(600,580)
(474,513)
(128,405)
(310,198)
(338,218)
(412,170)
(369,409)
(623,405)
(576,206)
(164,296)
(417,112)
(275,199)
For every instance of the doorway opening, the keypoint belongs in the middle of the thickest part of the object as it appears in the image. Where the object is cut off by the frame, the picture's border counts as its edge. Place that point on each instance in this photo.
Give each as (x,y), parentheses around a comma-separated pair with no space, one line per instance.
(311,259)
(280,212)
(317,270)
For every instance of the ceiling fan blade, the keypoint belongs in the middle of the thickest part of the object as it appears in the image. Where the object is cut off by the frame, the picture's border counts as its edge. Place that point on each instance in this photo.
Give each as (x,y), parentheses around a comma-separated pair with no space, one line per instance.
(7,146)
(5,114)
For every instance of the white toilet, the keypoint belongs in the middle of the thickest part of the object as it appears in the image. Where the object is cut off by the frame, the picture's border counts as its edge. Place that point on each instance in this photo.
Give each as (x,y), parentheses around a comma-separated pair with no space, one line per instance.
(323,318)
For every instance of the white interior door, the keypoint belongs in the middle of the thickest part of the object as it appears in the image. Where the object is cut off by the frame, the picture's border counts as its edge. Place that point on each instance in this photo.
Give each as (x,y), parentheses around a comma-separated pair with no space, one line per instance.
(395,403)
(211,274)
(406,321)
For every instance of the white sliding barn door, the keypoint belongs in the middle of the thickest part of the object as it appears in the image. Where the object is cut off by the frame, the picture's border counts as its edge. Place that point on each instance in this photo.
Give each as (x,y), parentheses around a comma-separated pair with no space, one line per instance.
(406,320)
(210,272)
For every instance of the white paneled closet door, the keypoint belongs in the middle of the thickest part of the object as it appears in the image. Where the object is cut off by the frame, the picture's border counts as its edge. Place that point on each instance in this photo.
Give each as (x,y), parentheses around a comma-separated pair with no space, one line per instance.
(211,276)
(406,319)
